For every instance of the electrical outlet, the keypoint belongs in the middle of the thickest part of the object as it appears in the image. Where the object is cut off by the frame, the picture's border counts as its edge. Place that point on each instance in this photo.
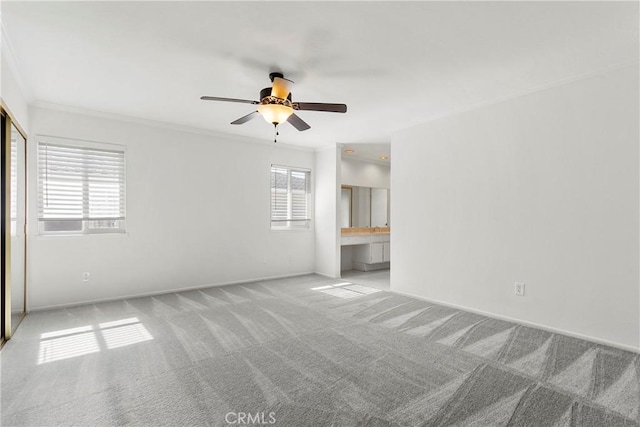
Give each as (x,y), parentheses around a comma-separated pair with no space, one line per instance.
(85,276)
(519,289)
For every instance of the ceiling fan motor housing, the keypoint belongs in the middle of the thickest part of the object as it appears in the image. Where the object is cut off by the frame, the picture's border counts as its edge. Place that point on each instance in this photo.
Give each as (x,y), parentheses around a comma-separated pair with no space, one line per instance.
(266,98)
(275,74)
(264,93)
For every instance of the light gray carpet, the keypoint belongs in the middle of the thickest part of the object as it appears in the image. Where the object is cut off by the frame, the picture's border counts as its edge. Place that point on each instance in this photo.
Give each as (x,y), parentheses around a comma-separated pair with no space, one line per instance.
(337,355)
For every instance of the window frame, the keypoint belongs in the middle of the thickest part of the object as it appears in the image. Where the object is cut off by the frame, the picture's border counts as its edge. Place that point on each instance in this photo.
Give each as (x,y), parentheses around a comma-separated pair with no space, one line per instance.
(86,228)
(288,226)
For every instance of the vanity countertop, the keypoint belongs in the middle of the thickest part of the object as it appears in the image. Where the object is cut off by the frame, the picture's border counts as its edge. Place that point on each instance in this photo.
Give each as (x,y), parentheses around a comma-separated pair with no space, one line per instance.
(365,231)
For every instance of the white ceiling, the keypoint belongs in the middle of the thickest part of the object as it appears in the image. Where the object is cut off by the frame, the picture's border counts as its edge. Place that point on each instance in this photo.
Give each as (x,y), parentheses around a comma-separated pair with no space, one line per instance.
(394,64)
(370,152)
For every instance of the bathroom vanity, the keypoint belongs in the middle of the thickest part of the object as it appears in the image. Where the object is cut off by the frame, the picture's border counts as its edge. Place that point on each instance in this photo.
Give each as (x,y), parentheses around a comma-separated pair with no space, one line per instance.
(365,237)
(366,249)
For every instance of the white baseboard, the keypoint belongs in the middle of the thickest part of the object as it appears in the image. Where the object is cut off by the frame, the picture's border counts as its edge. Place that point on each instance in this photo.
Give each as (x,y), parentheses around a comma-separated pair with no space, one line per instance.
(168,291)
(328,276)
(524,322)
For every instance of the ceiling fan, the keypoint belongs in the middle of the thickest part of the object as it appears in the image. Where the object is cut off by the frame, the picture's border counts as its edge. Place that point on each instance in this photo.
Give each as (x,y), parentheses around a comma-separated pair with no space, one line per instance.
(276,106)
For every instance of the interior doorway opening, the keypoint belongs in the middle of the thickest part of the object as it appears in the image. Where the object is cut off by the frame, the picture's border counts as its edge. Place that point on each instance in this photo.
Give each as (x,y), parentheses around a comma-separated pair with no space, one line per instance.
(365,214)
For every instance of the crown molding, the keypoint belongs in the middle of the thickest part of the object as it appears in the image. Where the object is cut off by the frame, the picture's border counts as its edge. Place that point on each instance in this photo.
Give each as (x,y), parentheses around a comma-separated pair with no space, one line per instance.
(161,125)
(537,89)
(326,147)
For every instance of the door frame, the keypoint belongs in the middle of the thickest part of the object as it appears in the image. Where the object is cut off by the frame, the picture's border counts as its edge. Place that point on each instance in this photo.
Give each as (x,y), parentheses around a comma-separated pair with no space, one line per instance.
(8,120)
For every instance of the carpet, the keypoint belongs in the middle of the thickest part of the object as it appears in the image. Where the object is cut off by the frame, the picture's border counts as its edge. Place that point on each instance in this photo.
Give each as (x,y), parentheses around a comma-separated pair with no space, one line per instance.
(305,351)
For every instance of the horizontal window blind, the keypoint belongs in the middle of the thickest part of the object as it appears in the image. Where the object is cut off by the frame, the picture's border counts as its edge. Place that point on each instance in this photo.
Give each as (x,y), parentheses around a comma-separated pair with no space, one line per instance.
(81,188)
(290,198)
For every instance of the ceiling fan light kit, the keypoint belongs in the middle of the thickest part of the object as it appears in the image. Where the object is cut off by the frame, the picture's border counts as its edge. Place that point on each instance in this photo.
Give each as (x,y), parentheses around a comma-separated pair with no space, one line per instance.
(275,110)
(275,113)
(276,107)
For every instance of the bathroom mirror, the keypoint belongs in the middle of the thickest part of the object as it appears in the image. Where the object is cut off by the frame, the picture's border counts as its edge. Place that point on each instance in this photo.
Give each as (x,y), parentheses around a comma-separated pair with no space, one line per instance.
(379,207)
(364,207)
(346,206)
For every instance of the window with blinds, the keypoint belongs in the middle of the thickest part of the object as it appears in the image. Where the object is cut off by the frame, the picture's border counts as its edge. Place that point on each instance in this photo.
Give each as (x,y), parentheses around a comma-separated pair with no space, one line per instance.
(290,198)
(81,188)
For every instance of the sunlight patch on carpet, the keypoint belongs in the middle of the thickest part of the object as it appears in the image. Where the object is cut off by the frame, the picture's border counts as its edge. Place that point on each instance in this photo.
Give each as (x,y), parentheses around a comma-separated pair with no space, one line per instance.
(346,290)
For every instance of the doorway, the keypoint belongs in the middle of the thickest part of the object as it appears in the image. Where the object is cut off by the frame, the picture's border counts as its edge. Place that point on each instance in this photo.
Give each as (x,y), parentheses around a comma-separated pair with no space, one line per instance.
(364,215)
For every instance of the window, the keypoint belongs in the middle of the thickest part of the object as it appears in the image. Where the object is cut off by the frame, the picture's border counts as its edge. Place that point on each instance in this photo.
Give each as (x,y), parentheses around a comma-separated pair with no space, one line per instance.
(81,187)
(290,198)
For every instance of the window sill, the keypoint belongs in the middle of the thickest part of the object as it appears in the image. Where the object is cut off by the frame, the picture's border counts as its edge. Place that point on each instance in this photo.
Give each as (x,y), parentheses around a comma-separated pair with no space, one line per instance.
(79,235)
(295,230)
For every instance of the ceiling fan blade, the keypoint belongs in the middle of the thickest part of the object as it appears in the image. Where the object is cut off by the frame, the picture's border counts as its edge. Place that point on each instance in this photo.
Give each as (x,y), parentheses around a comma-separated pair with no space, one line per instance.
(215,98)
(298,123)
(280,88)
(245,119)
(319,106)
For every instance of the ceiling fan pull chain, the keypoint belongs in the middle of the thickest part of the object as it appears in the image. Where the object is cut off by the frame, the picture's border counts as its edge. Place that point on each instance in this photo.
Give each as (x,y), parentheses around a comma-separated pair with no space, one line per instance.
(275,138)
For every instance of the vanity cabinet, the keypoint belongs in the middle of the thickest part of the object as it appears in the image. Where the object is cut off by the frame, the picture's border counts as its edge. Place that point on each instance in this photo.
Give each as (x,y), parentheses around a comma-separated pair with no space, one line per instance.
(371,252)
(355,240)
(378,252)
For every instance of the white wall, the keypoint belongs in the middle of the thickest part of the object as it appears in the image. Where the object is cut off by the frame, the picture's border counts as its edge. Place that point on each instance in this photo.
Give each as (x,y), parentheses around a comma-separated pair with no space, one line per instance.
(542,189)
(11,91)
(364,174)
(346,258)
(197,214)
(327,213)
